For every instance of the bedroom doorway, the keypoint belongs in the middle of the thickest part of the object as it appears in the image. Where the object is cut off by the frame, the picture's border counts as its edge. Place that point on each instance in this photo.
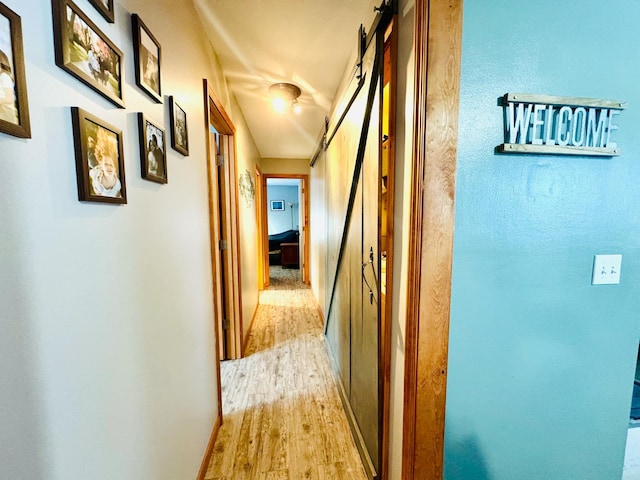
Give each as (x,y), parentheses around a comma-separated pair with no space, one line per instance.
(223,224)
(285,219)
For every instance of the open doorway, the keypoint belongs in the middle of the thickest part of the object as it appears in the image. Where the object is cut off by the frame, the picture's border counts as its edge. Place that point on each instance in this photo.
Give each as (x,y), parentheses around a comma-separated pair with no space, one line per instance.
(285,220)
(223,217)
(631,470)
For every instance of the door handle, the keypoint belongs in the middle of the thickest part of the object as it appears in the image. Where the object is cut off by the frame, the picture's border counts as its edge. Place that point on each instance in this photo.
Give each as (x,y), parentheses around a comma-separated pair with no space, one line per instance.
(364,277)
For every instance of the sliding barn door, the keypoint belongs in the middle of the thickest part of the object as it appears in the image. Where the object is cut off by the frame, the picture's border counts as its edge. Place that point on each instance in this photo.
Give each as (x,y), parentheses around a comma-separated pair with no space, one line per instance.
(353,312)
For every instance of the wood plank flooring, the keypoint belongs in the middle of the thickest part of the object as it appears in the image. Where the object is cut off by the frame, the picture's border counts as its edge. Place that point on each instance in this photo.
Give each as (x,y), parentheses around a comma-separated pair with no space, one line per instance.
(282,416)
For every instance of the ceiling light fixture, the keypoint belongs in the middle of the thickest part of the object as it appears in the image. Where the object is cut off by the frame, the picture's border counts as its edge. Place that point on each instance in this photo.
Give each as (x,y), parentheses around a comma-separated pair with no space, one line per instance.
(285,95)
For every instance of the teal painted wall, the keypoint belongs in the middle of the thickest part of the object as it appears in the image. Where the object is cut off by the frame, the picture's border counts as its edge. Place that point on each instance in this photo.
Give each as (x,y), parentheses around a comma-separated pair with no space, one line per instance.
(541,362)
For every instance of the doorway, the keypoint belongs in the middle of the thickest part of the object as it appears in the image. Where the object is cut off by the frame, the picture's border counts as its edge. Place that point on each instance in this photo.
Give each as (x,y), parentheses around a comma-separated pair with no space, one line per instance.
(285,219)
(223,224)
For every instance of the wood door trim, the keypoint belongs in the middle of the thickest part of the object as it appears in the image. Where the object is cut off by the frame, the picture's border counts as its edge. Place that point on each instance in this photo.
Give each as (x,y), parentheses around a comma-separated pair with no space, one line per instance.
(216,115)
(260,227)
(202,473)
(265,232)
(385,336)
(437,47)
(214,237)
(235,233)
(219,116)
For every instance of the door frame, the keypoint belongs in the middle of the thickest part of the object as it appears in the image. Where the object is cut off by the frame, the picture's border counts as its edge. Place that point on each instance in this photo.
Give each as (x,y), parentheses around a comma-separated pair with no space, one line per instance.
(229,272)
(260,223)
(304,233)
(437,49)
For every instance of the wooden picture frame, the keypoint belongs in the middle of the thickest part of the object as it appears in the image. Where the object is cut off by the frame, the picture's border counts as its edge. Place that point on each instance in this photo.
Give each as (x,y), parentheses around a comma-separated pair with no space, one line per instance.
(153,150)
(14,106)
(99,159)
(277,205)
(147,54)
(105,7)
(86,53)
(179,132)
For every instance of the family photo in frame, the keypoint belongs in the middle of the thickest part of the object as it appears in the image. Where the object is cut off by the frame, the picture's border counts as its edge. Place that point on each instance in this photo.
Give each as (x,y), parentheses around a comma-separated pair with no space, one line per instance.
(85,52)
(179,134)
(147,54)
(99,159)
(14,108)
(153,150)
(105,7)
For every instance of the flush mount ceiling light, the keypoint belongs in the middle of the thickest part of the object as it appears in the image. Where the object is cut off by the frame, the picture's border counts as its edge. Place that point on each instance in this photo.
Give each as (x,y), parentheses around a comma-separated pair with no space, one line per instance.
(285,95)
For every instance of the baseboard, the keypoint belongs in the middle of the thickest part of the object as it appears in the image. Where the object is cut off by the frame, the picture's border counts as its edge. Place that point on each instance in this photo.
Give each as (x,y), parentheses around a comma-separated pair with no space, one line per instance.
(246,340)
(320,312)
(207,454)
(351,418)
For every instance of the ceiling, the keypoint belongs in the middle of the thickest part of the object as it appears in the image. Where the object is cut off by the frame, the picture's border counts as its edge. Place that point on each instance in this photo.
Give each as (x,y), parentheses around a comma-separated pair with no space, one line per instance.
(305,42)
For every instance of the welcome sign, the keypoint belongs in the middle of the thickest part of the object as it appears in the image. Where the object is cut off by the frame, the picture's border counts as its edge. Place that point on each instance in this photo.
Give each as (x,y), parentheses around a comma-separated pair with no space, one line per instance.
(545,124)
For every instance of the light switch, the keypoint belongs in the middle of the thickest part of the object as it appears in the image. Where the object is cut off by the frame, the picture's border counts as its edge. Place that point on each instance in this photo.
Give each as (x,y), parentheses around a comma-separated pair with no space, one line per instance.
(606,269)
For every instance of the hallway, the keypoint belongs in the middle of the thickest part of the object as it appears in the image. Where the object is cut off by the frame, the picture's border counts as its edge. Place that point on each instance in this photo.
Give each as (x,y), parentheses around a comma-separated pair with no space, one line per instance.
(282,416)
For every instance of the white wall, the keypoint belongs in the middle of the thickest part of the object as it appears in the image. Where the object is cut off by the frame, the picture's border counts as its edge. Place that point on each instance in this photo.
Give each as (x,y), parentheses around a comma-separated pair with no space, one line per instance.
(107,341)
(280,220)
(247,157)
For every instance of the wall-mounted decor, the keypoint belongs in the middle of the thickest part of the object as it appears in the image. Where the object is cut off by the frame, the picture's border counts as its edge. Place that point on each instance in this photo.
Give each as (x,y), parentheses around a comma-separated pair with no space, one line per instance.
(277,205)
(146,50)
(105,7)
(544,124)
(14,106)
(247,188)
(153,150)
(99,159)
(86,53)
(179,133)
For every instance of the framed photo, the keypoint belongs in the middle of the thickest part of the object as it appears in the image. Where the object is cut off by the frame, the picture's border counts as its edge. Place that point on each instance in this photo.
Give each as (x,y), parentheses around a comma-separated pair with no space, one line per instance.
(86,53)
(14,106)
(99,159)
(277,205)
(153,150)
(105,7)
(179,133)
(147,54)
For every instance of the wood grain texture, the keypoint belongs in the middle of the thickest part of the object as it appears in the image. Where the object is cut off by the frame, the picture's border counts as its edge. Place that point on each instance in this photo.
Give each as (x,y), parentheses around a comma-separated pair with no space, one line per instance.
(438,28)
(282,414)
(573,101)
(223,188)
(262,245)
(527,148)
(213,238)
(209,449)
(386,313)
(235,234)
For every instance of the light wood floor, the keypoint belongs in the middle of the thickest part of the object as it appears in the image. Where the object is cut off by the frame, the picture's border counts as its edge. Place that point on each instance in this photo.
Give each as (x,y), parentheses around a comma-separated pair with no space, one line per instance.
(282,416)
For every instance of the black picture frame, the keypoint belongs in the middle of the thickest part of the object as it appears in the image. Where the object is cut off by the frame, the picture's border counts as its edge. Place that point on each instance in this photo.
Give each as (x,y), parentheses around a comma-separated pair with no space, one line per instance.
(147,59)
(85,52)
(96,144)
(105,7)
(153,160)
(14,113)
(277,205)
(179,131)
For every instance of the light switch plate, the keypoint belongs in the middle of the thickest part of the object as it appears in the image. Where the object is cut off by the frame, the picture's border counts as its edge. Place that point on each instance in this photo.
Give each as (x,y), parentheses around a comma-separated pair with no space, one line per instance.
(606,269)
